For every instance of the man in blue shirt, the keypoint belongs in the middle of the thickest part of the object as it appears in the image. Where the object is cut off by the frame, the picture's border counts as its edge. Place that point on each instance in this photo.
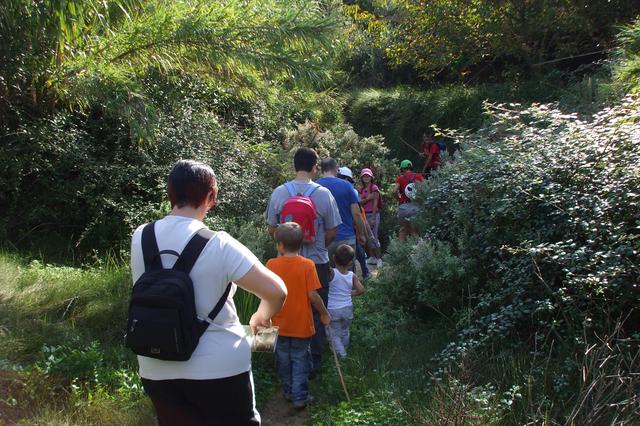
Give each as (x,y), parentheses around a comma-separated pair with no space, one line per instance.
(348,205)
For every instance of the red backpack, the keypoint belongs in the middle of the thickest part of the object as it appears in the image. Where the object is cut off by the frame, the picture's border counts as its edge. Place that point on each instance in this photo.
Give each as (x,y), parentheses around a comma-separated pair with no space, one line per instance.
(301,209)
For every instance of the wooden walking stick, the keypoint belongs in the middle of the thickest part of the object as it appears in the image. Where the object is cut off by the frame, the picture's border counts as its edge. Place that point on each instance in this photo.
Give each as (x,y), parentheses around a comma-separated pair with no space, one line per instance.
(335,357)
(409,145)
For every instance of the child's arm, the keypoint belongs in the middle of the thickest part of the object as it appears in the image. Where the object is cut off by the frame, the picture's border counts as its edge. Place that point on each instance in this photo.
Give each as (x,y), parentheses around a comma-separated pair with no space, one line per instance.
(376,196)
(396,190)
(358,288)
(318,304)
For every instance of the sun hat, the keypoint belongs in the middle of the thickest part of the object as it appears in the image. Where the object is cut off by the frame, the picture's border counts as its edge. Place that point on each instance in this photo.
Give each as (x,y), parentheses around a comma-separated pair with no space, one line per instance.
(366,172)
(405,164)
(345,171)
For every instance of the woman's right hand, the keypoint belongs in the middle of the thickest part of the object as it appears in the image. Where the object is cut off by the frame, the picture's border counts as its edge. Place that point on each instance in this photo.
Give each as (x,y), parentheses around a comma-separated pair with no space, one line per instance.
(269,288)
(258,319)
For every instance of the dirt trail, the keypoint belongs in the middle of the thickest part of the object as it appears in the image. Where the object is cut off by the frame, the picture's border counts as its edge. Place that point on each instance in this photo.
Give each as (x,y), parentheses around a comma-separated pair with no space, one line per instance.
(279,412)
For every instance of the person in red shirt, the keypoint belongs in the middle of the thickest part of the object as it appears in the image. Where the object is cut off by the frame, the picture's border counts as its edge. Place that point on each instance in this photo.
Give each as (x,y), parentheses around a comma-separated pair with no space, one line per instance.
(430,150)
(405,189)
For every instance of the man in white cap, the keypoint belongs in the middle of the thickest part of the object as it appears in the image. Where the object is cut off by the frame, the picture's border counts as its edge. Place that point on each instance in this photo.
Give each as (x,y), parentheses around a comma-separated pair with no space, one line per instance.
(345,173)
(348,203)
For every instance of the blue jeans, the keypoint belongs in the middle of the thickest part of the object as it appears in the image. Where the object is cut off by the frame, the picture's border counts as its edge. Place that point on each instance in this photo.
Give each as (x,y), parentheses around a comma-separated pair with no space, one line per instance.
(361,256)
(293,361)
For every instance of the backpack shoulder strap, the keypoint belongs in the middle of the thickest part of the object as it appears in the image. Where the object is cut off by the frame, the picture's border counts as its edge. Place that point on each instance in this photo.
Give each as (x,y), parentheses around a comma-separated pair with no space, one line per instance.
(150,252)
(311,189)
(223,299)
(291,189)
(192,251)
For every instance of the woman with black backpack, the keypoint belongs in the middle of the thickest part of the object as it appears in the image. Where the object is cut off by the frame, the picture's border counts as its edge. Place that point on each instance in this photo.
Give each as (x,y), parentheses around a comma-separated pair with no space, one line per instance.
(193,354)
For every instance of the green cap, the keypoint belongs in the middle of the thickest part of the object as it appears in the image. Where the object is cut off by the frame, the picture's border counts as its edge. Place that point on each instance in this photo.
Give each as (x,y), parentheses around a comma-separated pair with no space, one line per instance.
(405,164)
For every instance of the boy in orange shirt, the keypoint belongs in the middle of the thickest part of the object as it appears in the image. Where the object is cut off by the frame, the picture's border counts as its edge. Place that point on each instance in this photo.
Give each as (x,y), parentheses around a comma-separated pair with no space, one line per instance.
(293,353)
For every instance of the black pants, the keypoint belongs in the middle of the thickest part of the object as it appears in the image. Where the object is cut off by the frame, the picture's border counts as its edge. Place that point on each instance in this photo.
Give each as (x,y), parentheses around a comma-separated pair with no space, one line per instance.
(219,402)
(319,340)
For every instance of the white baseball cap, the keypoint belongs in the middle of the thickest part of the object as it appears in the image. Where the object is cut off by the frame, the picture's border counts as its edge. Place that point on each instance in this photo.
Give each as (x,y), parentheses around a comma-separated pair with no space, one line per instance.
(345,171)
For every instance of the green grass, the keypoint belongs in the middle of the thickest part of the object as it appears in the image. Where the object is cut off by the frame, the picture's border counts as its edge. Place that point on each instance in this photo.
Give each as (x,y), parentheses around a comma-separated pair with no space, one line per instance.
(62,361)
(387,371)
(392,379)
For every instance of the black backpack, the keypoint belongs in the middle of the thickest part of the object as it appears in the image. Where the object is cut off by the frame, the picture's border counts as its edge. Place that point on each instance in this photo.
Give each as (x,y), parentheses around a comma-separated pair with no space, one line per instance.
(163,323)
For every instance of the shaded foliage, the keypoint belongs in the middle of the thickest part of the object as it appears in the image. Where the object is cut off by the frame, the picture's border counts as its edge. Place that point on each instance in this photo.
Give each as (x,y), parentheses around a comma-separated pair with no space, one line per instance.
(81,178)
(401,114)
(455,40)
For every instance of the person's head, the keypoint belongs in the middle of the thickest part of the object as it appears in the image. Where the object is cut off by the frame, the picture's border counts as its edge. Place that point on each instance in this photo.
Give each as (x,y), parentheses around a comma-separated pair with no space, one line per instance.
(305,160)
(288,237)
(406,165)
(427,137)
(345,173)
(191,184)
(343,255)
(366,176)
(329,165)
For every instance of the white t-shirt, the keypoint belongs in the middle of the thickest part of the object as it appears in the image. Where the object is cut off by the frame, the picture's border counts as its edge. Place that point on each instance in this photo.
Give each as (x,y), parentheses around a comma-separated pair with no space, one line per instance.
(340,290)
(223,350)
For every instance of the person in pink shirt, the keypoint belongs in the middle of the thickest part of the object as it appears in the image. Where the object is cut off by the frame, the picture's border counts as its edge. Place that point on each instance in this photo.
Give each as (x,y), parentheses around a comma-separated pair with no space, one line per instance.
(371,201)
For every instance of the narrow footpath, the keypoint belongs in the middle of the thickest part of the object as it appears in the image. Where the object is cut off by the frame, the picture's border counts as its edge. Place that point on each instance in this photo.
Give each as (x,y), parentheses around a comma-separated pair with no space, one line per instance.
(278,411)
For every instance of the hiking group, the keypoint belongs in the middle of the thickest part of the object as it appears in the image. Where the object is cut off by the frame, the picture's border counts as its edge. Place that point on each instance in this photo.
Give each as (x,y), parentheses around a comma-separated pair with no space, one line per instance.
(194,356)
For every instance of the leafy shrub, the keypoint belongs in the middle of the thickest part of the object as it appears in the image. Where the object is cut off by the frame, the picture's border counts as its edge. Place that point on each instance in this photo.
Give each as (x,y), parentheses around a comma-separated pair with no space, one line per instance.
(380,321)
(541,208)
(455,40)
(426,276)
(90,370)
(253,234)
(453,402)
(345,145)
(75,363)
(371,409)
(81,178)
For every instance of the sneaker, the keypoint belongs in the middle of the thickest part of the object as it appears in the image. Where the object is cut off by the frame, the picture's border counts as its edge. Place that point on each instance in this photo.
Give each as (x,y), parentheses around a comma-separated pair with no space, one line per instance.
(301,405)
(372,261)
(379,263)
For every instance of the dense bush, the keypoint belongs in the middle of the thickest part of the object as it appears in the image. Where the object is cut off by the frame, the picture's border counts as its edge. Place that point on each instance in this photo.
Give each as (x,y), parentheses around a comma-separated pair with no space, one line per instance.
(459,40)
(99,98)
(541,210)
(401,114)
(438,280)
(82,178)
